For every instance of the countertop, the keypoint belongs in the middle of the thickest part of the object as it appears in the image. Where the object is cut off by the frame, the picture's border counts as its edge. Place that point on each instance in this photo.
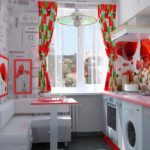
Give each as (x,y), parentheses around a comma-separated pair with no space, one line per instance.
(135,98)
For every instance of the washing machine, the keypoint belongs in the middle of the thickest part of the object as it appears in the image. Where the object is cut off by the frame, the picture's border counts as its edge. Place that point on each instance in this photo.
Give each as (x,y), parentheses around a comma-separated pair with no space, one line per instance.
(132,126)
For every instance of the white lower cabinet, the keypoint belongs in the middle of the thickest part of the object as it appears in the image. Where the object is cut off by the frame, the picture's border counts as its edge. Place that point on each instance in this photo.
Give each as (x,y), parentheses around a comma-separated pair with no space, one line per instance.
(132,125)
(146,128)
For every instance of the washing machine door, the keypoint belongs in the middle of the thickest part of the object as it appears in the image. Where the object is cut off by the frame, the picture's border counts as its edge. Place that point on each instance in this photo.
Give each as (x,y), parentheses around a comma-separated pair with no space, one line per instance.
(130,136)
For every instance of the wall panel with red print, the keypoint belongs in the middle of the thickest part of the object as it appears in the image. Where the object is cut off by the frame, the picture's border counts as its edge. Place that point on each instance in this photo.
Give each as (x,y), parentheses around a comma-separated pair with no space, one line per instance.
(23,76)
(3,76)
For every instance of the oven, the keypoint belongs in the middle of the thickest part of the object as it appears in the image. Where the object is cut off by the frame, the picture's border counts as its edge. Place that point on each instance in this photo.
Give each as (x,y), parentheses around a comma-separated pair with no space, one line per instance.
(111,122)
(111,116)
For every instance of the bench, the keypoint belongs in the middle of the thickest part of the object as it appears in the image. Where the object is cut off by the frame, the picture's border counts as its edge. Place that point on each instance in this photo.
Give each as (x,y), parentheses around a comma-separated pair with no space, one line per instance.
(41,125)
(15,132)
(40,122)
(21,122)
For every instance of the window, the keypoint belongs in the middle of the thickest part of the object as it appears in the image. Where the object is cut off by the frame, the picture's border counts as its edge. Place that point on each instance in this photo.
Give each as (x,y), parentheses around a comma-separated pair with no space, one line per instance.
(77,58)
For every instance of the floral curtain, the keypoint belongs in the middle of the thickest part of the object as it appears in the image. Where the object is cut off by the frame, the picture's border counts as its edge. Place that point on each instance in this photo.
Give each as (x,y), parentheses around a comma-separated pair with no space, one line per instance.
(107,19)
(47,17)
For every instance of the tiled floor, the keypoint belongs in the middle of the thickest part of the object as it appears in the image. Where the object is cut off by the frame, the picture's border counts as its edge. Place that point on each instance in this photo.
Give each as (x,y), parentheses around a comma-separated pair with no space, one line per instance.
(94,142)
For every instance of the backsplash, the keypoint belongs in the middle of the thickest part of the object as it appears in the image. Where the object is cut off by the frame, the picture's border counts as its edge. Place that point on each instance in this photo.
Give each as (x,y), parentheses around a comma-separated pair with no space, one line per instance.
(133,64)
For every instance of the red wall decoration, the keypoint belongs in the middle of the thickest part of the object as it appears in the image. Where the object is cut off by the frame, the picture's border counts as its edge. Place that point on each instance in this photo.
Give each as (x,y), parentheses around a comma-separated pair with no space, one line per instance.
(23,76)
(3,76)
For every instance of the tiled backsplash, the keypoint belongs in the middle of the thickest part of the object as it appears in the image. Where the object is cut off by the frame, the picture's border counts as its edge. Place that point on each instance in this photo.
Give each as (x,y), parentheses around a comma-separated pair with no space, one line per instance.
(133,64)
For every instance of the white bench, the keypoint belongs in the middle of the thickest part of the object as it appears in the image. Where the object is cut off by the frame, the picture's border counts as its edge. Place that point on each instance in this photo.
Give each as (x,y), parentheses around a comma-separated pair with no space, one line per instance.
(40,128)
(40,121)
(15,132)
(15,126)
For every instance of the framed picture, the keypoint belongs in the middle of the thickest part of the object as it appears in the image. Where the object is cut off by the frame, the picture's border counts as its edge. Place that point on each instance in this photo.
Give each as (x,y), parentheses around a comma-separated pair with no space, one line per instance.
(3,76)
(23,76)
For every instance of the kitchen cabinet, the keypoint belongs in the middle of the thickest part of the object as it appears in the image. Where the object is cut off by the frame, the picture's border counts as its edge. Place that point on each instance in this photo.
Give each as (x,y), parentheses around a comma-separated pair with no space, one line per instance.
(133,120)
(127,9)
(88,115)
(146,130)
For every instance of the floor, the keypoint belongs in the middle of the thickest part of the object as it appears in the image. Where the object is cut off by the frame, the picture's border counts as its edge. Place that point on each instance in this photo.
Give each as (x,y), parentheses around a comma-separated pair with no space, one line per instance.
(94,142)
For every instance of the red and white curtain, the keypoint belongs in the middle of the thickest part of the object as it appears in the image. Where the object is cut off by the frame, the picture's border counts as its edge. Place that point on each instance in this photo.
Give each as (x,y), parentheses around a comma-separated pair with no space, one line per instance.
(107,19)
(47,18)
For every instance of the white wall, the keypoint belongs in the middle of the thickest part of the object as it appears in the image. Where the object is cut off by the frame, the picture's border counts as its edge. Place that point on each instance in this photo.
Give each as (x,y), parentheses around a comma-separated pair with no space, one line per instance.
(4,30)
(23,40)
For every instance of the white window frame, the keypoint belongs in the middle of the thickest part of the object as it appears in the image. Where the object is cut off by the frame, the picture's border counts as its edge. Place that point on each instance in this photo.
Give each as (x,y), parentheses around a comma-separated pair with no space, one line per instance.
(81,86)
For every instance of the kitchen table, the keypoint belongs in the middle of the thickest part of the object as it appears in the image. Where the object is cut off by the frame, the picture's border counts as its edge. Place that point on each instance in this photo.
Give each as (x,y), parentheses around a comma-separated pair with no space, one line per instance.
(53,102)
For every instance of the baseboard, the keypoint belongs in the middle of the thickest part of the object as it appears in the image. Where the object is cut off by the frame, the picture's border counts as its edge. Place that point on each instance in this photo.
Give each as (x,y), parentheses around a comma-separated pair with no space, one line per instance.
(110,143)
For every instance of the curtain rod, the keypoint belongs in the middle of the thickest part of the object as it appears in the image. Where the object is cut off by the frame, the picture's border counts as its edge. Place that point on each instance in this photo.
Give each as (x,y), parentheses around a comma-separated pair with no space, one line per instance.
(86,1)
(83,1)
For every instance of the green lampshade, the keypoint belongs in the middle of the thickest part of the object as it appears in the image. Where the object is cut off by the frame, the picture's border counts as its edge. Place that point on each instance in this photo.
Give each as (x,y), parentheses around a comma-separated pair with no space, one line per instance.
(80,20)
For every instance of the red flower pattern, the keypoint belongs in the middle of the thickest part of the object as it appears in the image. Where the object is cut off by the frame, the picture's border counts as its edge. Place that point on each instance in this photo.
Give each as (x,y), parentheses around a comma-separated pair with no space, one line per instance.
(125,64)
(138,65)
(47,13)
(3,72)
(145,48)
(130,74)
(21,71)
(126,49)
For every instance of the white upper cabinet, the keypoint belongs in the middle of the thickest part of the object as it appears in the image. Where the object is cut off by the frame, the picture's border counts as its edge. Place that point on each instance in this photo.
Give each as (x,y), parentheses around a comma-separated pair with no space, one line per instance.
(127,9)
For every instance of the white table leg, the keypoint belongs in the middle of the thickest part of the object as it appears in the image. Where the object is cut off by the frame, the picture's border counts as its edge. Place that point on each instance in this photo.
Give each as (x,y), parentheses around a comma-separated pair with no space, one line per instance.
(53,128)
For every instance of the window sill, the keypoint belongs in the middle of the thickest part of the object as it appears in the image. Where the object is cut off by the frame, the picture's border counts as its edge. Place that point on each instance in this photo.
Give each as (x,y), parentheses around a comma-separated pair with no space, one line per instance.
(88,90)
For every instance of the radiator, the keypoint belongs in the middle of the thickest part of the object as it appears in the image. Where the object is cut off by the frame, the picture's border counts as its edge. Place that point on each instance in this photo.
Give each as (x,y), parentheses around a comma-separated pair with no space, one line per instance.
(74,109)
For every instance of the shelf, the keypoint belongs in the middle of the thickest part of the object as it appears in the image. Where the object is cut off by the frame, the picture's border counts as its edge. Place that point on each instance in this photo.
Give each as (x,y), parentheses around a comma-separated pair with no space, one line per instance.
(130,33)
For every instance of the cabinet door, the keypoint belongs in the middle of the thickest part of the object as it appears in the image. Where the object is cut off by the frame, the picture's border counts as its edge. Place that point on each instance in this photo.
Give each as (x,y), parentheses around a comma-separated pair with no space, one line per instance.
(127,9)
(89,114)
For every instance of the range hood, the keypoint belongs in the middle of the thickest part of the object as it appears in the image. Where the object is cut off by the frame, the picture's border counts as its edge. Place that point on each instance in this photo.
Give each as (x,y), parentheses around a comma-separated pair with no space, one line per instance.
(130,33)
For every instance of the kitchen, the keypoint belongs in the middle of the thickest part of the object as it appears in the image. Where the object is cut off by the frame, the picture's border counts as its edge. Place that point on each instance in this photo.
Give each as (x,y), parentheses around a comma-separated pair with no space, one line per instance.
(104,67)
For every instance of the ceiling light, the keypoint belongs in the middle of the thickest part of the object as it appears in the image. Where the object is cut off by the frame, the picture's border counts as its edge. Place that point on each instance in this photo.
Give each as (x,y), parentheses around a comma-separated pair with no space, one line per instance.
(76,19)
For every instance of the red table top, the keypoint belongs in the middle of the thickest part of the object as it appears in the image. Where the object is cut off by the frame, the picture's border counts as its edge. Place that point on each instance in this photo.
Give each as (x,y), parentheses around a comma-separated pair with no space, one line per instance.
(51,101)
(136,98)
